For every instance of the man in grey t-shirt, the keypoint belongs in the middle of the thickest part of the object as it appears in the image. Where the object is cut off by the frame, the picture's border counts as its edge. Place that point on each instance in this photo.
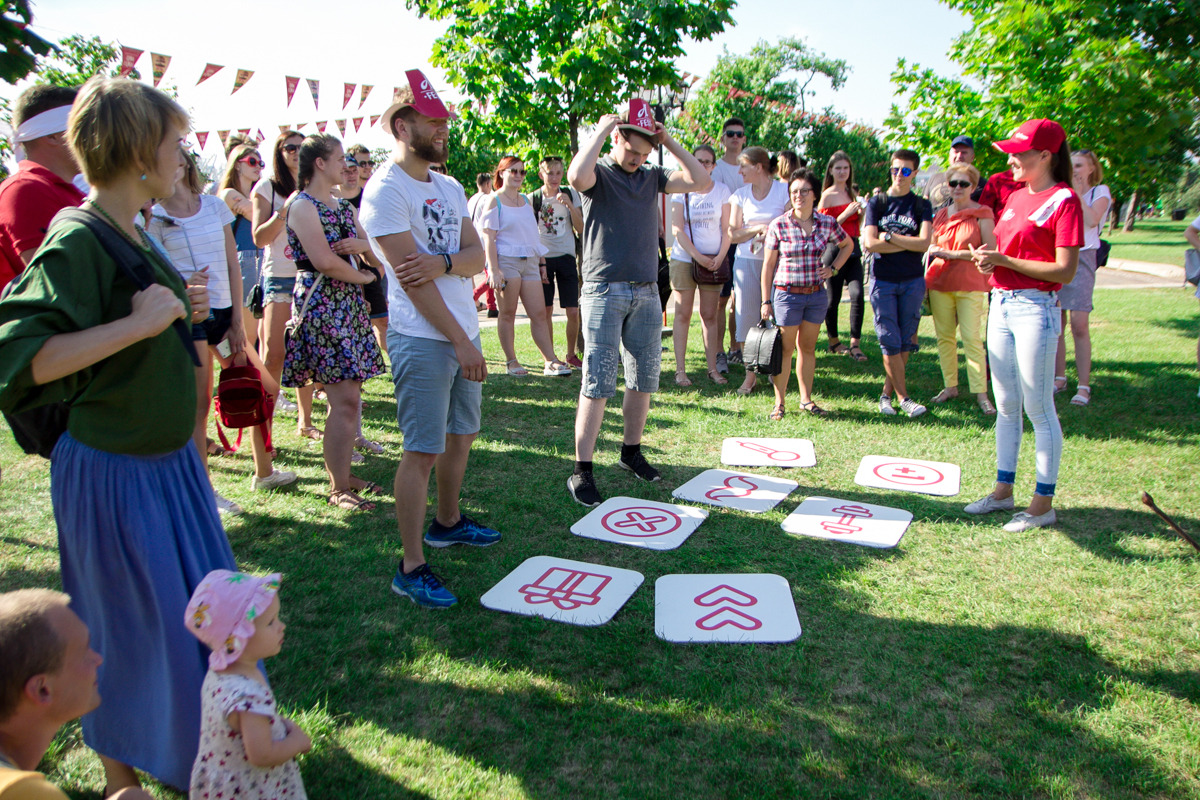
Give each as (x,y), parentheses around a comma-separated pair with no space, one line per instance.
(619,304)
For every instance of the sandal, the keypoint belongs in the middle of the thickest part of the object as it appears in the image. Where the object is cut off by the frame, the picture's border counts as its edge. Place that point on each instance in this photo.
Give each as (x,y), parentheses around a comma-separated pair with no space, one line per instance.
(1060,383)
(839,349)
(814,409)
(985,405)
(363,443)
(1080,399)
(681,379)
(349,501)
(215,449)
(777,413)
(368,487)
(309,432)
(944,395)
(517,370)
(857,354)
(717,377)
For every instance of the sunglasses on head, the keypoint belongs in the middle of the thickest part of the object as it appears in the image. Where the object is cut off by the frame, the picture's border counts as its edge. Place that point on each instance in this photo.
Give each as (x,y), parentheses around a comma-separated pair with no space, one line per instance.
(291,148)
(252,161)
(902,171)
(958,184)
(351,161)
(736,134)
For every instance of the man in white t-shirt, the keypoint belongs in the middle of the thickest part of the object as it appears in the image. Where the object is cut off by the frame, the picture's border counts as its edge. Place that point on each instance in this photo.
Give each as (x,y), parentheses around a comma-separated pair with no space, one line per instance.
(728,171)
(420,228)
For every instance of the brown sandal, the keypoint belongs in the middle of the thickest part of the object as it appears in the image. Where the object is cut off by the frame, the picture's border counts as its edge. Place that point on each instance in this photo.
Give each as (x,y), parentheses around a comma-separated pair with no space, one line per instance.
(717,377)
(777,413)
(349,501)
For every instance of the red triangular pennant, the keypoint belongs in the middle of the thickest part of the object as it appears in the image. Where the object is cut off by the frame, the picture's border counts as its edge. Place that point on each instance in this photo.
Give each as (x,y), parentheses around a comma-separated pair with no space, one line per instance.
(224,135)
(347,93)
(244,131)
(314,87)
(261,138)
(129,57)
(292,83)
(357,123)
(341,123)
(209,71)
(201,137)
(321,125)
(366,90)
(374,118)
(243,75)
(159,63)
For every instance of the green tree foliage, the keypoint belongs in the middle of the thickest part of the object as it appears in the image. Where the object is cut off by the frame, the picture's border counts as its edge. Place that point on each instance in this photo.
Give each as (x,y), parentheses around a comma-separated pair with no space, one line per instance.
(768,74)
(79,59)
(21,45)
(535,72)
(1122,76)
(868,155)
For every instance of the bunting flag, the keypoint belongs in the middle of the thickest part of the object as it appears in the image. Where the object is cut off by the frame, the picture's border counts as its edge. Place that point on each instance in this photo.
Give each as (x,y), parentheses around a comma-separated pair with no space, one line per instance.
(201,137)
(347,93)
(292,83)
(284,129)
(261,138)
(357,123)
(374,119)
(224,135)
(159,64)
(243,75)
(209,71)
(314,86)
(244,131)
(129,57)
(341,123)
(300,127)
(366,90)
(321,125)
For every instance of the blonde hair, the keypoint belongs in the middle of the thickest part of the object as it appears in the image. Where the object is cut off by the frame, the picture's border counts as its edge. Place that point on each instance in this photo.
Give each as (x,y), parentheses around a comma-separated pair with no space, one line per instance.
(970,170)
(1097,173)
(117,125)
(29,644)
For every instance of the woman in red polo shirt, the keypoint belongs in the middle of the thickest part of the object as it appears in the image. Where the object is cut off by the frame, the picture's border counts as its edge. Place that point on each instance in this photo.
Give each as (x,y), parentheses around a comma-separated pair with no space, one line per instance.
(1039,234)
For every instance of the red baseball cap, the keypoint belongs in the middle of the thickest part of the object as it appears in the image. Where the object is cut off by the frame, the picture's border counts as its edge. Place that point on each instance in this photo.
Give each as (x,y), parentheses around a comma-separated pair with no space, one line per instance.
(419,94)
(1034,134)
(640,118)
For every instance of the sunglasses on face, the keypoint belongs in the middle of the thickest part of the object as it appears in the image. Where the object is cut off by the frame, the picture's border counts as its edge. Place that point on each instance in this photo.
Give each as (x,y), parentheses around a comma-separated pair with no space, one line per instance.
(958,184)
(252,161)
(517,172)
(902,171)
(366,163)
(291,148)
(736,134)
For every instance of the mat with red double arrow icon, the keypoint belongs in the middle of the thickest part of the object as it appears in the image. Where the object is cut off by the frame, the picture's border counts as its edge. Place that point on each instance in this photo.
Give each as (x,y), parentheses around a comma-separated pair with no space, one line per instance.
(725,608)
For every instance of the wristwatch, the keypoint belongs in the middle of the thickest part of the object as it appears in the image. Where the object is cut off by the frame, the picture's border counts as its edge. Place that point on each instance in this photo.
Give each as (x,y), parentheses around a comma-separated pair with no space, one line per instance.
(887,236)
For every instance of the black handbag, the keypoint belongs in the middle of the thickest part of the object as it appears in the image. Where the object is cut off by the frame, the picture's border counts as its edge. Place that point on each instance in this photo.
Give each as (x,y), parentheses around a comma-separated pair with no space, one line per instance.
(763,350)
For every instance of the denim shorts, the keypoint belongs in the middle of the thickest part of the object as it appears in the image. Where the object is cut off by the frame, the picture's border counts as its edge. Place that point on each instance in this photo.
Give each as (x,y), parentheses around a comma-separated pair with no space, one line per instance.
(249,260)
(897,308)
(615,315)
(432,397)
(792,309)
(278,290)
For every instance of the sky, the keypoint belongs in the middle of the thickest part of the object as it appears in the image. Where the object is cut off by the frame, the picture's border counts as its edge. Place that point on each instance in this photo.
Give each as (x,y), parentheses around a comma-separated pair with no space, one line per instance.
(375,41)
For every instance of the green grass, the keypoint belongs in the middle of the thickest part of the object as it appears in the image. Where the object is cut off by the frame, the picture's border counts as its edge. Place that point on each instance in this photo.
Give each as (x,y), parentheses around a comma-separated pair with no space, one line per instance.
(967,663)
(1157,240)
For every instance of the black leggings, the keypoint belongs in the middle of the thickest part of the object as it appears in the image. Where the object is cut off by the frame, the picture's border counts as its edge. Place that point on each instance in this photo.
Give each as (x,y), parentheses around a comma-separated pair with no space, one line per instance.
(850,276)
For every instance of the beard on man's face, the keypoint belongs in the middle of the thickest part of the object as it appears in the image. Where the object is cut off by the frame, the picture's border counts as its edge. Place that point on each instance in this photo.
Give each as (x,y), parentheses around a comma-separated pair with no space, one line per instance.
(424,148)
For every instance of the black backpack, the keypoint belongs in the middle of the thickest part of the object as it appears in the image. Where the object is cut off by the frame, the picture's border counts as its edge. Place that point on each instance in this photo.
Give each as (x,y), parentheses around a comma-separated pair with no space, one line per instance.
(39,429)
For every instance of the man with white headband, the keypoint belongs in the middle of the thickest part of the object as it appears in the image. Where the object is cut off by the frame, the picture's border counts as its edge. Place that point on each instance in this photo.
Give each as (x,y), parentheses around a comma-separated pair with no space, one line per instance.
(42,185)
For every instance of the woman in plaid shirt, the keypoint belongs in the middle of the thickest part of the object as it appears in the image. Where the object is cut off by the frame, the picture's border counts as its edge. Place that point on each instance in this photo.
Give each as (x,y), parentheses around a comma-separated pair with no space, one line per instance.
(793,280)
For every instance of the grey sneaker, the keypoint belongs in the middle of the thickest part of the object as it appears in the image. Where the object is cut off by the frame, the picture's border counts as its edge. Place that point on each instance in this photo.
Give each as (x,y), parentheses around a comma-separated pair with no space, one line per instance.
(734,357)
(912,407)
(988,504)
(1022,521)
(722,362)
(885,405)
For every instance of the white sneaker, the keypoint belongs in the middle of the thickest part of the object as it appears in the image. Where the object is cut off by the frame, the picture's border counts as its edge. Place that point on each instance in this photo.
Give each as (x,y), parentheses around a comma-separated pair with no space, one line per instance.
(226,506)
(912,407)
(885,405)
(277,478)
(987,505)
(283,404)
(1022,521)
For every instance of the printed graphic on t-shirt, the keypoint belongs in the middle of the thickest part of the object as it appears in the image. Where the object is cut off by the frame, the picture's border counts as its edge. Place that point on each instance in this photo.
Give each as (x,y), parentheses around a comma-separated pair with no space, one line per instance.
(441,225)
(902,224)
(550,220)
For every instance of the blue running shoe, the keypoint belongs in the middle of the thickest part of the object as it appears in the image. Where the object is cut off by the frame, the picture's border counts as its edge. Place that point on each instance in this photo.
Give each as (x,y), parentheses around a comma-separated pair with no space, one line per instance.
(466,531)
(422,587)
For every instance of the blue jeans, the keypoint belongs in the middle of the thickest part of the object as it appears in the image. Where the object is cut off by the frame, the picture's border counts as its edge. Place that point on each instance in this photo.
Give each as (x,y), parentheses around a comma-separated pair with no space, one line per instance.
(1023,328)
(897,307)
(616,314)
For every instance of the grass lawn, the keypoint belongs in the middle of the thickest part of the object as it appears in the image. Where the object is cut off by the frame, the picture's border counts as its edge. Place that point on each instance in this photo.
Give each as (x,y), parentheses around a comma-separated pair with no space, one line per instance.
(1157,240)
(967,663)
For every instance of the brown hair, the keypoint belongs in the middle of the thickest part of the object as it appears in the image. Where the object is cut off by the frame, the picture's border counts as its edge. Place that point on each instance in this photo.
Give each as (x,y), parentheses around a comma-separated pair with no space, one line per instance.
(191,173)
(29,645)
(505,163)
(760,156)
(282,180)
(838,155)
(319,145)
(231,178)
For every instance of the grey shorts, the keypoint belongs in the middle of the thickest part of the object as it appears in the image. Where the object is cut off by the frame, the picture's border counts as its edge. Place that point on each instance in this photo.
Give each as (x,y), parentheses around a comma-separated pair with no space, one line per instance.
(615,315)
(1077,295)
(527,269)
(432,397)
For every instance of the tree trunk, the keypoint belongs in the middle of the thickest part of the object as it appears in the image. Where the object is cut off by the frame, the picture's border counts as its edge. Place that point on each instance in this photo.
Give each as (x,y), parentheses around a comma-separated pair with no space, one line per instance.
(573,125)
(1131,214)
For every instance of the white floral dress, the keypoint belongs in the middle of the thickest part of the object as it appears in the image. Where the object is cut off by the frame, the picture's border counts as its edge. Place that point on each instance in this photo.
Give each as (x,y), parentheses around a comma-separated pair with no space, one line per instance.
(222,769)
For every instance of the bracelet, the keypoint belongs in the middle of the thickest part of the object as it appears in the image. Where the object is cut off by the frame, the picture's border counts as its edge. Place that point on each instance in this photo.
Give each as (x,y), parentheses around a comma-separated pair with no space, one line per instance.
(449,266)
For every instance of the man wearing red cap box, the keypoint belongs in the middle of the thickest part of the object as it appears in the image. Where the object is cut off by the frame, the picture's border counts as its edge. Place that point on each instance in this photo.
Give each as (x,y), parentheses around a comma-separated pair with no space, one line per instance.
(420,227)
(619,304)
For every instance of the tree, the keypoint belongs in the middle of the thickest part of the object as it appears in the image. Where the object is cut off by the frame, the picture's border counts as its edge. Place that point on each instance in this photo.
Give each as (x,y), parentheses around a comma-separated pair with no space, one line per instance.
(21,45)
(1122,77)
(534,72)
(77,60)
(747,86)
(868,155)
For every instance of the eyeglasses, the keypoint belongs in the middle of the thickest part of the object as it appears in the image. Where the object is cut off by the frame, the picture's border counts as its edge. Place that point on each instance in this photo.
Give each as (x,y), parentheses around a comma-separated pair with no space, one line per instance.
(515,171)
(902,171)
(291,148)
(736,134)
(958,184)
(252,161)
(802,190)
(704,162)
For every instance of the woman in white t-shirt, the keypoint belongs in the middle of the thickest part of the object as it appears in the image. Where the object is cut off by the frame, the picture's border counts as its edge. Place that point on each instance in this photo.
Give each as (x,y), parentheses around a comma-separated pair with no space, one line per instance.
(516,264)
(272,197)
(194,229)
(700,225)
(752,208)
(1076,296)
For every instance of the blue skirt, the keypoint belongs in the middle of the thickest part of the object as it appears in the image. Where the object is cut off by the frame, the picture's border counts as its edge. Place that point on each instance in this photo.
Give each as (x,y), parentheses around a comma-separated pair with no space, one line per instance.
(135,536)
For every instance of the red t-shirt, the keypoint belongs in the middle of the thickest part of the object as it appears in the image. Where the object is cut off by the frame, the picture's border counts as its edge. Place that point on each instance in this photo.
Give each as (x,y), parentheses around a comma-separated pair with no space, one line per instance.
(997,189)
(1031,227)
(28,201)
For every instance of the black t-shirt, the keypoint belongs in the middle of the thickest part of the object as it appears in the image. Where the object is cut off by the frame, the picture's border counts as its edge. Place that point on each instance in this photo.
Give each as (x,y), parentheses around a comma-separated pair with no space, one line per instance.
(902,215)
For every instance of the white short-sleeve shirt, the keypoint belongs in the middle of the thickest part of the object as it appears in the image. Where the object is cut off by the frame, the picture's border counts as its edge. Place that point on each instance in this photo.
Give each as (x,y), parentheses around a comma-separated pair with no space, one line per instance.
(277,256)
(759,212)
(704,211)
(196,242)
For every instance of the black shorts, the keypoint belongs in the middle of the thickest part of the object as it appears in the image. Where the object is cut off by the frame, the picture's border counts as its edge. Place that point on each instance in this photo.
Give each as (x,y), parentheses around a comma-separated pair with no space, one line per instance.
(213,330)
(375,294)
(562,269)
(727,288)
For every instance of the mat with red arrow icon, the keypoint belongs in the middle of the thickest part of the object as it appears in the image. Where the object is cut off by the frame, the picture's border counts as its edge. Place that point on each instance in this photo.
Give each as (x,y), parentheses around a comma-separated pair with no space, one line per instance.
(725,608)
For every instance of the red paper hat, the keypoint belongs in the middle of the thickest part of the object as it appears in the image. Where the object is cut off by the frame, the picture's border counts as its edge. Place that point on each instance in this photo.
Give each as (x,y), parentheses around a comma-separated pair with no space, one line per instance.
(640,117)
(1034,134)
(420,95)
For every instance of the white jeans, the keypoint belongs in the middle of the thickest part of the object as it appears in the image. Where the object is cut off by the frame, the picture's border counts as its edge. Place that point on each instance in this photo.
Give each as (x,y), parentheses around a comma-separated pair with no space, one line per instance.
(1022,339)
(747,283)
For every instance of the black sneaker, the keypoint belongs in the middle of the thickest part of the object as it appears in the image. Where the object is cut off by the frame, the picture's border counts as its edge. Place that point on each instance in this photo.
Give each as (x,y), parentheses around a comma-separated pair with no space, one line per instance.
(583,490)
(638,465)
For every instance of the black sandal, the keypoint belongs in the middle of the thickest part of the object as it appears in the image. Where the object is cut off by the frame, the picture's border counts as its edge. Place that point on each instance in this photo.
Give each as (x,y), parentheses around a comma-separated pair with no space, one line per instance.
(777,413)
(839,349)
(814,409)
(857,354)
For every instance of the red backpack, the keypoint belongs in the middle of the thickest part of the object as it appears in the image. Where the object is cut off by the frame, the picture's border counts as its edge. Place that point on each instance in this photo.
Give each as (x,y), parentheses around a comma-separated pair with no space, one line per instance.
(243,402)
